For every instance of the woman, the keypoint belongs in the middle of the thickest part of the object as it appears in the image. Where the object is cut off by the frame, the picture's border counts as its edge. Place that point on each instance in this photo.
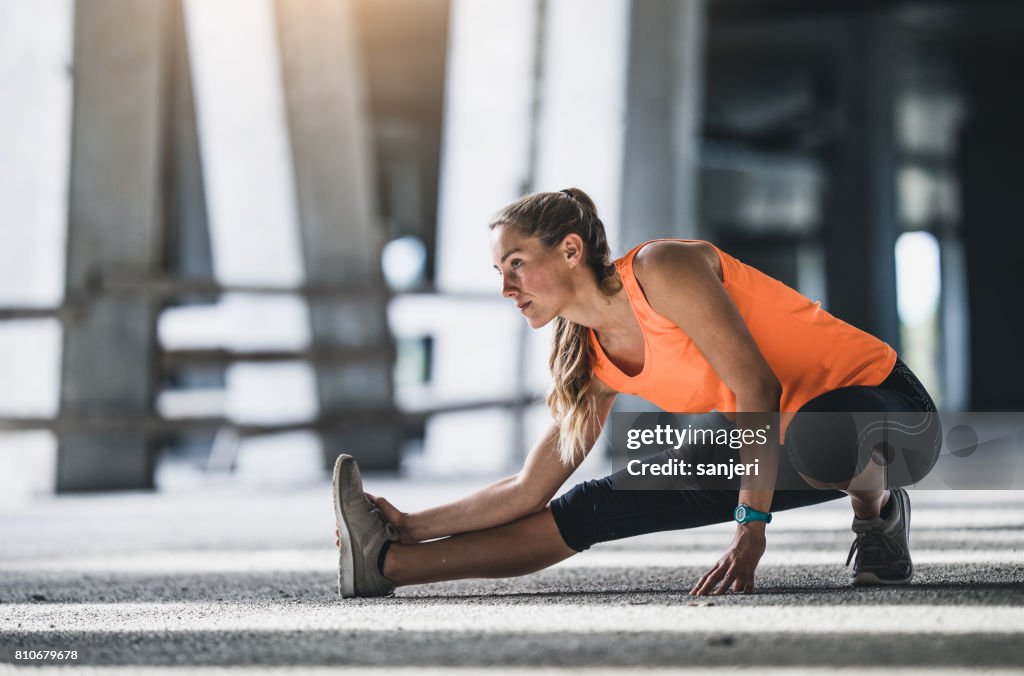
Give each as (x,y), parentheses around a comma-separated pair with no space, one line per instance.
(691,329)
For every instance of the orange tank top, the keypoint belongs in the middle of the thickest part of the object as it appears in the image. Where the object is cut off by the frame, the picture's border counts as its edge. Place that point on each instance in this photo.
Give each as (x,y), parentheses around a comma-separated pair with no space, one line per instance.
(809,350)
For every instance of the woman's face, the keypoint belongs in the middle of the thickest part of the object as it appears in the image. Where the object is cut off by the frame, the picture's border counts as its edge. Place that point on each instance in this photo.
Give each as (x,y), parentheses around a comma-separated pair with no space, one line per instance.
(538,280)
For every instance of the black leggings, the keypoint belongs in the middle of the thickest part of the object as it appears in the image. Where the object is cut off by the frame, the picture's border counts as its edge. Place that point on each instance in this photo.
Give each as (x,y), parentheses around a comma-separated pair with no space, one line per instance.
(824,441)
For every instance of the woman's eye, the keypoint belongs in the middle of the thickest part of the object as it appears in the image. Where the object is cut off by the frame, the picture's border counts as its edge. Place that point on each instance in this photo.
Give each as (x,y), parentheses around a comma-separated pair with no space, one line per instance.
(516,264)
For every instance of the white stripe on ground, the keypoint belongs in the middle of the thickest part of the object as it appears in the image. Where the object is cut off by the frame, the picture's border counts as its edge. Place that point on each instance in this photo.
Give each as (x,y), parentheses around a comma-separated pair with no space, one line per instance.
(503,671)
(504,618)
(710,537)
(325,560)
(705,537)
(778,557)
(839,516)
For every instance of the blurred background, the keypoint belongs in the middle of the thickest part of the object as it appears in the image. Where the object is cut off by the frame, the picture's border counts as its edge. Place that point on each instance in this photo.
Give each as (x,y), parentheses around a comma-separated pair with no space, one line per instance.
(240,236)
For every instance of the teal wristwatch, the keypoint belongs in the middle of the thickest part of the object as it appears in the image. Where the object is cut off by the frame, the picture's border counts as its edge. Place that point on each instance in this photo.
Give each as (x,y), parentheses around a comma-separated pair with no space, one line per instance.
(744,513)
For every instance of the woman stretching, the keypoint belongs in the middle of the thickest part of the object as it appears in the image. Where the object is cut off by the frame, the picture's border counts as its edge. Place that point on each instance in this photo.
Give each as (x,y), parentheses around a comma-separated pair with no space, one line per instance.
(691,329)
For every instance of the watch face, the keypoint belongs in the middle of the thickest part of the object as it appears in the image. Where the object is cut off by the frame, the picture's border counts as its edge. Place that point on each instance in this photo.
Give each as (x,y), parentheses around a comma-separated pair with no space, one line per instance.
(741,513)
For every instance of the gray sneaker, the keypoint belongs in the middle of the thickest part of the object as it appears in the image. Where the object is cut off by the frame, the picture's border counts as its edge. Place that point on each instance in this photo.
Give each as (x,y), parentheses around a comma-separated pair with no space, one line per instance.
(362,532)
(883,546)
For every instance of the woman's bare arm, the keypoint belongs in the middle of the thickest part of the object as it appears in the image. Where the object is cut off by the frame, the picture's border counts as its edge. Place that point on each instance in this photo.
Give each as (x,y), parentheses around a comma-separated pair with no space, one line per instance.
(506,500)
(681,283)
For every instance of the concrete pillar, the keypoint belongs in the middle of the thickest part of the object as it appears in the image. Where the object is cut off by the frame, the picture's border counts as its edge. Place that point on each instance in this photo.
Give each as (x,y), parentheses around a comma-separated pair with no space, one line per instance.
(488,114)
(577,139)
(406,43)
(861,220)
(582,99)
(189,249)
(989,152)
(665,70)
(115,220)
(326,108)
(188,233)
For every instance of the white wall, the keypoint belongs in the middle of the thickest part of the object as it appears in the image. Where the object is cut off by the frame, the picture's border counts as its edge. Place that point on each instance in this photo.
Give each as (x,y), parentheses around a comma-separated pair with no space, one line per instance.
(489,128)
(250,195)
(35,123)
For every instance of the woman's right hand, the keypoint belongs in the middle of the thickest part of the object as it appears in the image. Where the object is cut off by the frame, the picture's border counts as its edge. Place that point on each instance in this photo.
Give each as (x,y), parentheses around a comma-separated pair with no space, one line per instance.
(398,520)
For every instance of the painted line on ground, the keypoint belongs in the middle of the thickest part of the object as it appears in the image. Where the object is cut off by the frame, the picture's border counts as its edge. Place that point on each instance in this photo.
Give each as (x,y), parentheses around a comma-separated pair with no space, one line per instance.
(505,618)
(325,560)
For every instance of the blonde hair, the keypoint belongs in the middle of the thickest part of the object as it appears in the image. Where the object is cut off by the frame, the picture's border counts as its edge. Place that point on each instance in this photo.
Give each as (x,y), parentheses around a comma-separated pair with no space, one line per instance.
(550,217)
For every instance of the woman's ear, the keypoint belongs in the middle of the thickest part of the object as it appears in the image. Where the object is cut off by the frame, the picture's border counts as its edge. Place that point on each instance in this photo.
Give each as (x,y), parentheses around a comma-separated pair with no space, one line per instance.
(572,249)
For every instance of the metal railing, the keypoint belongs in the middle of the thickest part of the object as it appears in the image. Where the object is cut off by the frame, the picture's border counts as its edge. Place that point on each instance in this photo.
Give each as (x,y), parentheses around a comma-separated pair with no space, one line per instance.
(167,289)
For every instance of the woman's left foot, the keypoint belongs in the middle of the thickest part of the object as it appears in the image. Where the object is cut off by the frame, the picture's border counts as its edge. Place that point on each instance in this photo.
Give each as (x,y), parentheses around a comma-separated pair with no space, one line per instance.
(883,545)
(362,533)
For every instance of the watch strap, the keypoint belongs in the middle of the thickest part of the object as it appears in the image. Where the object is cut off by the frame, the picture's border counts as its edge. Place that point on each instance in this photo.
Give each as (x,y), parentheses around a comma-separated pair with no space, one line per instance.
(744,513)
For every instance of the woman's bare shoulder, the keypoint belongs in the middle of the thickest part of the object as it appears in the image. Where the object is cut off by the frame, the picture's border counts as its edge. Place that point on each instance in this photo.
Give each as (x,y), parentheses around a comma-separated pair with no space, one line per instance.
(670,259)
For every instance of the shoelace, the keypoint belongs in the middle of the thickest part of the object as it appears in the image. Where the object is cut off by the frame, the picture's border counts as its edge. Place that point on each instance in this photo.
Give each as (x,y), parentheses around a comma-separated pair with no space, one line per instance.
(871,544)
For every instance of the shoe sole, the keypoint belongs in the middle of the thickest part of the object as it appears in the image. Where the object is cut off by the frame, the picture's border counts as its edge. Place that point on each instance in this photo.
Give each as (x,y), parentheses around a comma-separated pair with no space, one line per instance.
(346,563)
(872,580)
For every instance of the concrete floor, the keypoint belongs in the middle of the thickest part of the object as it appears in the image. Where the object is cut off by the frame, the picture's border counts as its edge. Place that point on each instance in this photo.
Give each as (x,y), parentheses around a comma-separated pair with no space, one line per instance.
(220,577)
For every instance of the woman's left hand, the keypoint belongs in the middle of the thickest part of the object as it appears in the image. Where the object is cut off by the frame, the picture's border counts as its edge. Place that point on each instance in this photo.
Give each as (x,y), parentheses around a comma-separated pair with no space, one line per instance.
(735,570)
